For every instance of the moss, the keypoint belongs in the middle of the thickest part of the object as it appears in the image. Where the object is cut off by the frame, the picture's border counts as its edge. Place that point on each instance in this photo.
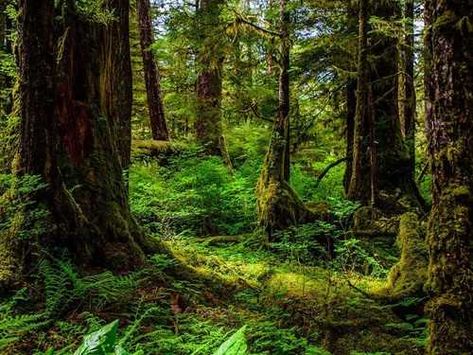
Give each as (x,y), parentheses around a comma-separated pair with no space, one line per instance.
(408,276)
(279,207)
(450,272)
(278,204)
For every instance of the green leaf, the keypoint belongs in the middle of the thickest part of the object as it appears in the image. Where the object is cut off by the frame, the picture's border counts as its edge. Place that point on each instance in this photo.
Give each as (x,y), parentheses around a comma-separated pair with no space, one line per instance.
(100,342)
(235,345)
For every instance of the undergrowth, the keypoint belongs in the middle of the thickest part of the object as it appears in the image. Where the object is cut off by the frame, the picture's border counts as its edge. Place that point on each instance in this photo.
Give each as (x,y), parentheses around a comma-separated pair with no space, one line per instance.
(302,293)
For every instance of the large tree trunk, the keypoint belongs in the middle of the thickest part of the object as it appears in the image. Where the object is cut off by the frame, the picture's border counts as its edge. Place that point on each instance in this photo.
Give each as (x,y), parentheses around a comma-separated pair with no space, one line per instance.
(74,131)
(208,125)
(380,162)
(278,204)
(449,86)
(157,119)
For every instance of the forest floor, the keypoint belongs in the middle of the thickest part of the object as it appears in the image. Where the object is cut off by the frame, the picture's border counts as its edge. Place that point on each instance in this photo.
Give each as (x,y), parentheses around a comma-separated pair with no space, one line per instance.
(287,307)
(220,276)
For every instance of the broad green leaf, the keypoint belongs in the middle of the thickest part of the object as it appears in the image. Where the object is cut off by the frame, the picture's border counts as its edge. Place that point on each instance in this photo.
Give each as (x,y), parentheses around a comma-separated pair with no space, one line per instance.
(235,345)
(101,342)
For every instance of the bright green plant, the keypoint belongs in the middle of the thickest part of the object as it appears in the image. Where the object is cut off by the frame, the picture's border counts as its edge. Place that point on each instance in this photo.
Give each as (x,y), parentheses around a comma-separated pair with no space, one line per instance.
(235,345)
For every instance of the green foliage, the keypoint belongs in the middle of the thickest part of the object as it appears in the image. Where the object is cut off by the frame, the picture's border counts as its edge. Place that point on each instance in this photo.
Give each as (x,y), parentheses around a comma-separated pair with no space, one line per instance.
(196,195)
(235,345)
(64,287)
(353,256)
(330,189)
(95,11)
(101,342)
(267,338)
(305,243)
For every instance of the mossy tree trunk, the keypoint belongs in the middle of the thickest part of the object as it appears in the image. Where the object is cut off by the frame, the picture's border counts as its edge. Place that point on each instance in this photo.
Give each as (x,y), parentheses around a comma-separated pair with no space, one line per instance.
(8,107)
(407,93)
(380,160)
(449,85)
(284,88)
(157,118)
(407,278)
(278,204)
(74,86)
(208,124)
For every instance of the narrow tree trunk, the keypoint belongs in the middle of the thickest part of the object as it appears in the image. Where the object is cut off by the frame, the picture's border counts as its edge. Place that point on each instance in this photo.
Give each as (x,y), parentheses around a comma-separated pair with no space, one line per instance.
(449,86)
(350,92)
(4,85)
(159,128)
(360,184)
(208,125)
(278,204)
(3,27)
(407,112)
(284,87)
(72,131)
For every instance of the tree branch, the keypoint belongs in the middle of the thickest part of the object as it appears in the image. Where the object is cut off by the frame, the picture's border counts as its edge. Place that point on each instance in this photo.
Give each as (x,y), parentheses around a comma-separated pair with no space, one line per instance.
(328,168)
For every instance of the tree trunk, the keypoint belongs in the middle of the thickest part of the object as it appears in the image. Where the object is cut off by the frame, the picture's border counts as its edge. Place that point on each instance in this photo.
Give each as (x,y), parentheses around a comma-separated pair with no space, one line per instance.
(449,86)
(350,91)
(407,94)
(208,124)
(359,186)
(380,161)
(278,204)
(159,128)
(74,131)
(284,87)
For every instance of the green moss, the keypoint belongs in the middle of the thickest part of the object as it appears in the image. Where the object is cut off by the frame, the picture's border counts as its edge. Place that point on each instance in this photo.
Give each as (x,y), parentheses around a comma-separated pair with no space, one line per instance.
(408,276)
(450,272)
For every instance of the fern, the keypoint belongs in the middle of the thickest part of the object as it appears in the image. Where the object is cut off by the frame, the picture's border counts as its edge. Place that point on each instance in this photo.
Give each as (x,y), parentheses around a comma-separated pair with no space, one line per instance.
(63,286)
(13,327)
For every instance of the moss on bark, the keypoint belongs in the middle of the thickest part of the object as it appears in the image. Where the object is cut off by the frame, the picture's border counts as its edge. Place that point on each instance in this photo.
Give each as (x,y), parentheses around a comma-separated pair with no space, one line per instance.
(408,276)
(75,124)
(449,88)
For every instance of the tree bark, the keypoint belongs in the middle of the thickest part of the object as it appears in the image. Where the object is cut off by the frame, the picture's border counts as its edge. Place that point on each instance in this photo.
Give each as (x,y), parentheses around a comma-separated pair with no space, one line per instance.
(407,109)
(74,98)
(359,186)
(284,87)
(157,118)
(208,124)
(278,204)
(449,86)
(350,92)
(380,162)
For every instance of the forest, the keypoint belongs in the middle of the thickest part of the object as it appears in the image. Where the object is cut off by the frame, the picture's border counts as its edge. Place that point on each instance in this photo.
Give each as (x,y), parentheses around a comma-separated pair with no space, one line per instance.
(236,177)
